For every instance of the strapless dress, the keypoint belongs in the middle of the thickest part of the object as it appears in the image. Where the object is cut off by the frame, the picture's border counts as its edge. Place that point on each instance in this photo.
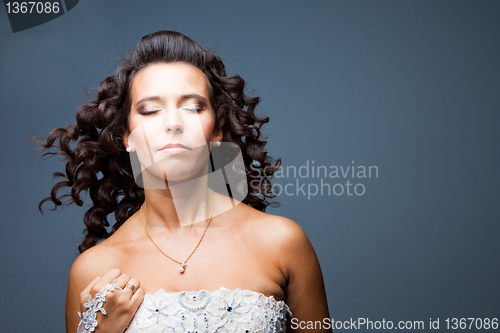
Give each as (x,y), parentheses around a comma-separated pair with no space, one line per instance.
(220,310)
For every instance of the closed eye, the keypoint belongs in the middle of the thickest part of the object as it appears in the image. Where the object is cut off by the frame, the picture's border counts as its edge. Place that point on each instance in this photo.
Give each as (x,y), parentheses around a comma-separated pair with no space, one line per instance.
(198,109)
(147,112)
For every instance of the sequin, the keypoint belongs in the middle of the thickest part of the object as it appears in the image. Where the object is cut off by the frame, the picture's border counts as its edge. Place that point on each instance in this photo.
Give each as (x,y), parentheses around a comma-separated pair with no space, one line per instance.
(220,310)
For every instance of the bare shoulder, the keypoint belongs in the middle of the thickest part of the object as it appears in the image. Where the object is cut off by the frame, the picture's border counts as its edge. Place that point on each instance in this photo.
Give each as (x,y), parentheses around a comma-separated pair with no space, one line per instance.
(283,236)
(104,256)
(87,269)
(282,230)
(305,290)
(94,262)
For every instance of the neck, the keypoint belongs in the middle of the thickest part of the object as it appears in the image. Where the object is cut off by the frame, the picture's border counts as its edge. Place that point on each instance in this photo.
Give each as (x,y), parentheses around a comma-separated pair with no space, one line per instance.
(178,205)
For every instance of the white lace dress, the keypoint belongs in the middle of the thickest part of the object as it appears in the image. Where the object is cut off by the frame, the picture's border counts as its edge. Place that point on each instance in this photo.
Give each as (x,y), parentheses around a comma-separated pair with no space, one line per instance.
(220,310)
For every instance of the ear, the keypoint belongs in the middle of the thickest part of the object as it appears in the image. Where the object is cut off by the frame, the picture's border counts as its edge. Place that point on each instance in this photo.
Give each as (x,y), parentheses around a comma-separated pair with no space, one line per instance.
(216,136)
(128,140)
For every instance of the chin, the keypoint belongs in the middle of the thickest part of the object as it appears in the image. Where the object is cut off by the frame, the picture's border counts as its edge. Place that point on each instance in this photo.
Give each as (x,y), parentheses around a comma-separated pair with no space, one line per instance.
(172,170)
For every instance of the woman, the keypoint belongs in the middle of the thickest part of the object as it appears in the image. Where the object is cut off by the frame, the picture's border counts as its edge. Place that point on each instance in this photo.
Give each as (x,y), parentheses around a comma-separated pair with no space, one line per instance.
(180,257)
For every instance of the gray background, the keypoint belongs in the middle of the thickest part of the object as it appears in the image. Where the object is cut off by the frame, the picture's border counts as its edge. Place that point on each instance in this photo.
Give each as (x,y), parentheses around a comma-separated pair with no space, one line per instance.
(409,86)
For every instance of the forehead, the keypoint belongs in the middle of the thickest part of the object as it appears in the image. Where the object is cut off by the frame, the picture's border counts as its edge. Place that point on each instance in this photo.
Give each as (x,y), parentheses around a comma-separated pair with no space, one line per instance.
(169,80)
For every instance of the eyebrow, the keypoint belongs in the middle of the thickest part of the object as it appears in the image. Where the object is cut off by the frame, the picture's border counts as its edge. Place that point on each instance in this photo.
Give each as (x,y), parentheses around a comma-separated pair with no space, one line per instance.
(158,98)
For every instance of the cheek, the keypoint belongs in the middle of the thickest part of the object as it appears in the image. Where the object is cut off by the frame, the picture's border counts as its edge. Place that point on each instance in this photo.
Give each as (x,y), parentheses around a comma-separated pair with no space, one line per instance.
(132,123)
(208,127)
(143,134)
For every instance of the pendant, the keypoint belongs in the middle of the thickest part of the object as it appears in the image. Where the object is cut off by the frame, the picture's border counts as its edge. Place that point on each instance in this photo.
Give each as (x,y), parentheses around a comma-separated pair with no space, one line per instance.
(182,268)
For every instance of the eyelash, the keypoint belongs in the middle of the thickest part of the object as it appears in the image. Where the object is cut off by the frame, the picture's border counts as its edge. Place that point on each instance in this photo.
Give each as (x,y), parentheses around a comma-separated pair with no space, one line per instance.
(198,109)
(146,113)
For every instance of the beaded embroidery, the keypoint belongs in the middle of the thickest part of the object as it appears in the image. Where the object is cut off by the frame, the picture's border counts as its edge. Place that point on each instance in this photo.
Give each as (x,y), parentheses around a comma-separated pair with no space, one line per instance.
(220,311)
(88,321)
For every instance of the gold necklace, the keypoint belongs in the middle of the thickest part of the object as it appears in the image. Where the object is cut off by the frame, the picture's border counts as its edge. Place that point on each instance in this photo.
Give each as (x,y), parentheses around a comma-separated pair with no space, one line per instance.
(184,263)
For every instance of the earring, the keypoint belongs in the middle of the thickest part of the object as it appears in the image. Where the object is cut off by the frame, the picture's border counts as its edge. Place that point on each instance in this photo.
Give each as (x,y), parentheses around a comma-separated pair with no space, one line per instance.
(128,149)
(218,143)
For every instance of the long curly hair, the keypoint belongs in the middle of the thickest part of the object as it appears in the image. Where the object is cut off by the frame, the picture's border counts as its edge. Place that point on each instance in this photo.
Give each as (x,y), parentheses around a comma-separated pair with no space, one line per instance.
(95,155)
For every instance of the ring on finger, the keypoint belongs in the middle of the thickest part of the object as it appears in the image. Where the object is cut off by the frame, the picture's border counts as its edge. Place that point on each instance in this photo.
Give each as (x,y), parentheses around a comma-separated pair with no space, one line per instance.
(132,287)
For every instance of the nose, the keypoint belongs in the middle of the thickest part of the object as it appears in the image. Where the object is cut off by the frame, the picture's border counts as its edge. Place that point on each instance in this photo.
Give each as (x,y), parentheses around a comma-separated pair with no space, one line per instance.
(173,121)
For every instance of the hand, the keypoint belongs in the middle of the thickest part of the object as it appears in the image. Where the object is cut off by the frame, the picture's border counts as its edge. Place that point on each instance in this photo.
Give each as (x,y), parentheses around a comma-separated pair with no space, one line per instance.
(120,305)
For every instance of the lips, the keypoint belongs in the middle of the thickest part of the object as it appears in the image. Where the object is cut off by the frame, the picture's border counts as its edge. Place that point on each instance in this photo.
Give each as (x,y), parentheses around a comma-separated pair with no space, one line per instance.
(174,148)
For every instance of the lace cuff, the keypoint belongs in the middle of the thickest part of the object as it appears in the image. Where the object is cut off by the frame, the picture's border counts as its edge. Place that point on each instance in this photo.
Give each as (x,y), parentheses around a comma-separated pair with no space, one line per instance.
(88,321)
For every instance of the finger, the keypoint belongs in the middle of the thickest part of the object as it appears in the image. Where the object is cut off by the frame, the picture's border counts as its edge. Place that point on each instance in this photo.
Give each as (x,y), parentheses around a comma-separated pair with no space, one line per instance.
(85,292)
(132,286)
(87,288)
(110,276)
(122,280)
(137,298)
(106,279)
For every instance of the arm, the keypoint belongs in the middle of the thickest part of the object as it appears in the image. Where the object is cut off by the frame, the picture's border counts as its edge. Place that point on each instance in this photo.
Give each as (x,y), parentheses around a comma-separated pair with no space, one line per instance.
(305,291)
(120,305)
(80,276)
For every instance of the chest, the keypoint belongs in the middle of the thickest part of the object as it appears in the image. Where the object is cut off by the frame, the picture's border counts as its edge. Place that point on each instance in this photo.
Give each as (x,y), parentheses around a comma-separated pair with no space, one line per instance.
(218,261)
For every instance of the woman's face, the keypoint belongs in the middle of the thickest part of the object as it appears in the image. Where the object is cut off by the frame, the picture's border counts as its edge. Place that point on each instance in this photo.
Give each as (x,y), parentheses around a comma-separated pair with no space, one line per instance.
(171,121)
